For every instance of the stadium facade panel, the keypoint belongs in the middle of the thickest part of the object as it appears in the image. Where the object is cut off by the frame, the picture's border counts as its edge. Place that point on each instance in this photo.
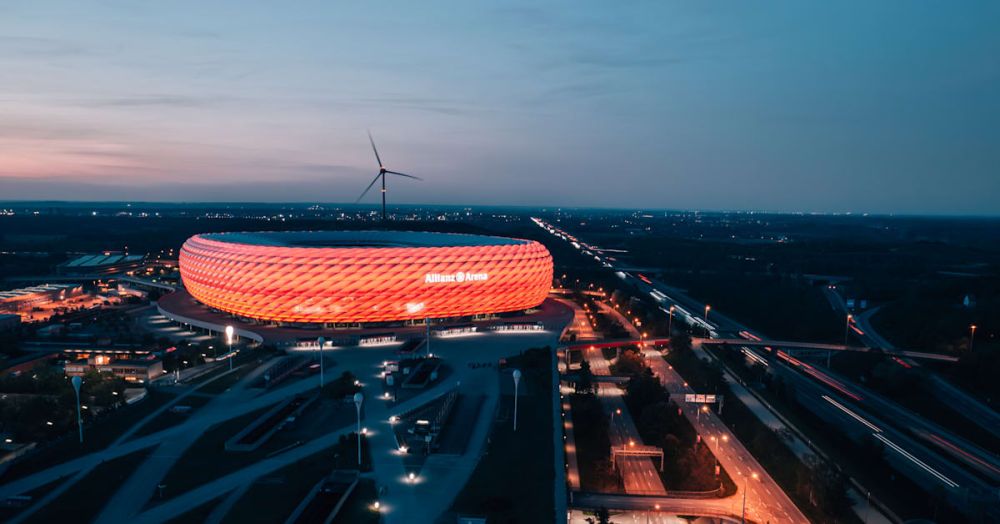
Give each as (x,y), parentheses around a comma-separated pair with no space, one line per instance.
(363,276)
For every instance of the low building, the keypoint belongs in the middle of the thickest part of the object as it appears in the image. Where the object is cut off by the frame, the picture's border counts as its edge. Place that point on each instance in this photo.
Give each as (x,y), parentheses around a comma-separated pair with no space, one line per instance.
(9,322)
(105,263)
(25,299)
(139,371)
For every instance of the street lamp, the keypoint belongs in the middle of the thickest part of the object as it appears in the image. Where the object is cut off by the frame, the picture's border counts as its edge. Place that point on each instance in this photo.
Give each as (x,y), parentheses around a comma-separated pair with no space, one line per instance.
(972,336)
(847,327)
(79,419)
(358,399)
(322,342)
(743,519)
(229,345)
(670,322)
(517,380)
(707,309)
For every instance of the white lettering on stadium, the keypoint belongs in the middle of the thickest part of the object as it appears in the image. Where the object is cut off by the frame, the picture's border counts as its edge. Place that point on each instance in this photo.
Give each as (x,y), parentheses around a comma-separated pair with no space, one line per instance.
(459,277)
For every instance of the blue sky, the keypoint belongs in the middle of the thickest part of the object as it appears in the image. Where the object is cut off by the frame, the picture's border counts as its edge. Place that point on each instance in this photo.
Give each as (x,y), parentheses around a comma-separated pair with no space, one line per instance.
(789,106)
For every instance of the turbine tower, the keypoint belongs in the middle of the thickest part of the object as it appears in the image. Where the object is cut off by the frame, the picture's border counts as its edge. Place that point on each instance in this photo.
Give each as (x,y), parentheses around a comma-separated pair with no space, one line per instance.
(382,171)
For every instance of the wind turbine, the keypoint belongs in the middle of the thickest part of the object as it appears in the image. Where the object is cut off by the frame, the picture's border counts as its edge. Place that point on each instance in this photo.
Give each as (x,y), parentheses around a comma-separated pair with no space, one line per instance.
(382,171)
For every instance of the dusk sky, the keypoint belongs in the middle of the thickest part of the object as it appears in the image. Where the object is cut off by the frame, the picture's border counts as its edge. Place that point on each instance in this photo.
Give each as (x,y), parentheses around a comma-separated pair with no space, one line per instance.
(860,106)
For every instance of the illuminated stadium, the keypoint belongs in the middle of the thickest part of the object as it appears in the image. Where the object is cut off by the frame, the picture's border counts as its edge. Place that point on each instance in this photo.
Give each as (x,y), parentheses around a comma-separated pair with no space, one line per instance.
(363,276)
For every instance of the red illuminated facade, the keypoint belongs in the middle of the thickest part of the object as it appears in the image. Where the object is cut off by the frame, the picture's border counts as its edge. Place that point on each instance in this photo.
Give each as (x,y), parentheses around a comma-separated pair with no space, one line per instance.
(363,276)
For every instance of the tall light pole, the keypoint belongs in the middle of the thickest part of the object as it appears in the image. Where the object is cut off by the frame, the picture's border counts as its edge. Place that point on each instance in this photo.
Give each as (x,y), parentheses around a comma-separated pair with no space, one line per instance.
(707,309)
(847,327)
(229,345)
(972,336)
(517,380)
(427,326)
(322,342)
(358,399)
(670,322)
(79,419)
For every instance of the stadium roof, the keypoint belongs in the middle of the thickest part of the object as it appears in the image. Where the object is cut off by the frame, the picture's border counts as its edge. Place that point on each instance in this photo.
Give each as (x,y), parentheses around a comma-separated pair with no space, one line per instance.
(348,239)
(102,260)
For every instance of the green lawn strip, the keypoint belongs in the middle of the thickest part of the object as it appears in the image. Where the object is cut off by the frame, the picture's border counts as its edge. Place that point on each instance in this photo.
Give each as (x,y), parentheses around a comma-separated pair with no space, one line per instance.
(513,481)
(207,458)
(169,419)
(97,435)
(357,508)
(221,384)
(198,514)
(83,501)
(273,497)
(9,512)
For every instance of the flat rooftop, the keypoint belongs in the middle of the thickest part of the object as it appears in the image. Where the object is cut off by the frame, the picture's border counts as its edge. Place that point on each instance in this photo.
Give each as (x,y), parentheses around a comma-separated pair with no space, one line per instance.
(14,293)
(353,239)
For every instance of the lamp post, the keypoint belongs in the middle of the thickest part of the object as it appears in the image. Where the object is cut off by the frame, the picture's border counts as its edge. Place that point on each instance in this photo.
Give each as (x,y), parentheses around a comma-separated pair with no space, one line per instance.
(670,322)
(79,419)
(707,309)
(358,399)
(229,345)
(322,342)
(972,336)
(517,380)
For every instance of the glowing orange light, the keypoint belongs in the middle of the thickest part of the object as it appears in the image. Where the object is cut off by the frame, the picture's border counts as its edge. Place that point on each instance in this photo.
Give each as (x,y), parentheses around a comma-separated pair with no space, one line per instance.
(301,283)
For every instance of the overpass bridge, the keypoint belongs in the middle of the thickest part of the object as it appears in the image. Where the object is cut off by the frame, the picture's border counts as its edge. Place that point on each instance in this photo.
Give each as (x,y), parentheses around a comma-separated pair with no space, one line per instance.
(788,344)
(725,509)
(822,346)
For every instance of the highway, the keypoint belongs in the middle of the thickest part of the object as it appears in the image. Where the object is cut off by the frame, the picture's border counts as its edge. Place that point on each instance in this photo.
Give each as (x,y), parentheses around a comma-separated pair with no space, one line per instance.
(765,500)
(815,387)
(961,402)
(825,395)
(639,475)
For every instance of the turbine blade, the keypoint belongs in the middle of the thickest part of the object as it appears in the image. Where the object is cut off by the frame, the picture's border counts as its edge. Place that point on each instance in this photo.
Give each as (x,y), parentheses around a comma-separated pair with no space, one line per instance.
(403,174)
(368,188)
(372,140)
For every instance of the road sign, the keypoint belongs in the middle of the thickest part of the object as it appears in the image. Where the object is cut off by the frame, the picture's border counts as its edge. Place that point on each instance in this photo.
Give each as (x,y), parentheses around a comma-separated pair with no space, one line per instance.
(701,398)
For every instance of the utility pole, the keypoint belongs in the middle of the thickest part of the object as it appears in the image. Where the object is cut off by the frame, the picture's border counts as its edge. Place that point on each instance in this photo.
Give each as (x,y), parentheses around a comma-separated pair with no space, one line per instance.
(358,399)
(517,380)
(322,342)
(79,419)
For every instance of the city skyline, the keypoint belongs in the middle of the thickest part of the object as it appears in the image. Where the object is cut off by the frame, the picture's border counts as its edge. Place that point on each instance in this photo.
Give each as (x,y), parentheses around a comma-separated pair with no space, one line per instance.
(839,108)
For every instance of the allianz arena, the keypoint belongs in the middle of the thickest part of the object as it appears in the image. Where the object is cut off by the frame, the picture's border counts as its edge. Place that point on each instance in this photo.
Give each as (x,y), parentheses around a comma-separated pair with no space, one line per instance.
(363,276)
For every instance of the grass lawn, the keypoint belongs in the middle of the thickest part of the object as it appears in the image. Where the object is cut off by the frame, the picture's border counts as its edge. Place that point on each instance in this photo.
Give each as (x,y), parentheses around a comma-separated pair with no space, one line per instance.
(207,458)
(223,383)
(358,507)
(198,514)
(514,479)
(97,436)
(84,500)
(170,419)
(9,512)
(272,498)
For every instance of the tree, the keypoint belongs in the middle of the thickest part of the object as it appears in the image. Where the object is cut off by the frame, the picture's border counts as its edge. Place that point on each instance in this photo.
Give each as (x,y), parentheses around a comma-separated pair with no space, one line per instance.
(601,516)
(585,382)
(680,343)
(630,363)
